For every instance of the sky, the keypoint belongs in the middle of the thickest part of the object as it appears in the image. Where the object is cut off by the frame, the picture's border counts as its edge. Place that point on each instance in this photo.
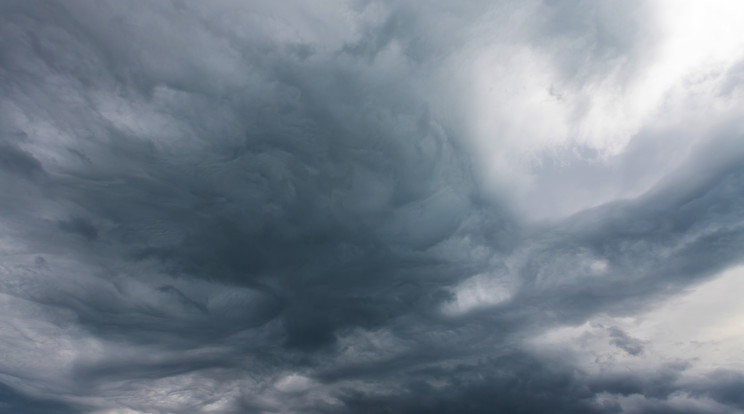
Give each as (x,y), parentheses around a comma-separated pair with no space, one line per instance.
(502,206)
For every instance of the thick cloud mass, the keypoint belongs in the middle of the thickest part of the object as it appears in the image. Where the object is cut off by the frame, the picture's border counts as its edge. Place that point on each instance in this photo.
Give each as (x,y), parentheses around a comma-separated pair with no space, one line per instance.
(357,206)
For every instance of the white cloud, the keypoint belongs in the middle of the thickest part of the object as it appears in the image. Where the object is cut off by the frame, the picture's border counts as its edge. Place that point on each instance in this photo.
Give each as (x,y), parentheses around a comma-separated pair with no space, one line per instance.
(524,112)
(479,292)
(294,383)
(703,327)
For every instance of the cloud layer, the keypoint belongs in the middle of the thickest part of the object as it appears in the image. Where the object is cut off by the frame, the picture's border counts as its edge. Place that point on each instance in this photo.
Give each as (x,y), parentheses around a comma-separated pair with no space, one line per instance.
(370,207)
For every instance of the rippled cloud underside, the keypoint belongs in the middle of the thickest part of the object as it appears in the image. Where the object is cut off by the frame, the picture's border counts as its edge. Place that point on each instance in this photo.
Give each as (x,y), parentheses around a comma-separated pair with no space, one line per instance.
(371,206)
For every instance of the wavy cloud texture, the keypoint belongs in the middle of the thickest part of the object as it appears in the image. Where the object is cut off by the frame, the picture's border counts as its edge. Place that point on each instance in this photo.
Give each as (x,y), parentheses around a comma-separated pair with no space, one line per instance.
(371,206)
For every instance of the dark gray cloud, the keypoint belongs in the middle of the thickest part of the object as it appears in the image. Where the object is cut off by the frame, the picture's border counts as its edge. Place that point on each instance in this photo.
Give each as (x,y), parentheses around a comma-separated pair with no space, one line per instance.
(14,402)
(625,342)
(279,208)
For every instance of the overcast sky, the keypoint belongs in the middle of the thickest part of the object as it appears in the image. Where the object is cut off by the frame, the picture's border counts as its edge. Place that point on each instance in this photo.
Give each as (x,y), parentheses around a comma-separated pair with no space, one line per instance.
(371,206)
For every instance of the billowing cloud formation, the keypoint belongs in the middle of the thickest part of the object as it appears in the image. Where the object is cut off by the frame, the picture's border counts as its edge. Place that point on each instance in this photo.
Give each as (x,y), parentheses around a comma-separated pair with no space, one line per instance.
(358,206)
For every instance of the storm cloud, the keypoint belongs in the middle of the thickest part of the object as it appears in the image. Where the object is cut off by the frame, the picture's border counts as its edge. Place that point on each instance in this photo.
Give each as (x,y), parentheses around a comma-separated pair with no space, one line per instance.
(371,206)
